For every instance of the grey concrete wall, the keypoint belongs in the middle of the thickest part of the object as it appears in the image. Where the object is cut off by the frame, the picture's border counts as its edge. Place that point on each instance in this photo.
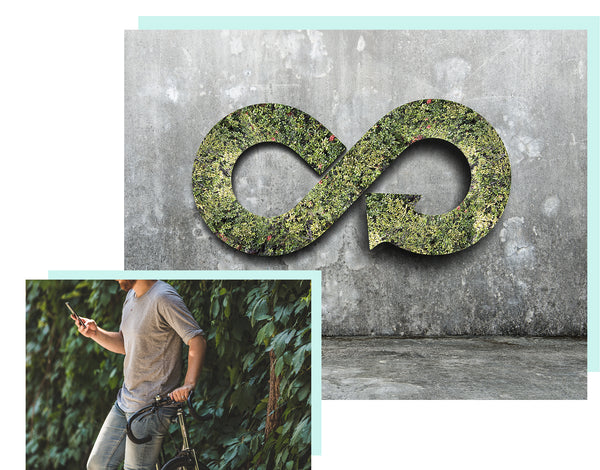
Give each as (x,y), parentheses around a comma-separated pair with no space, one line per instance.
(528,276)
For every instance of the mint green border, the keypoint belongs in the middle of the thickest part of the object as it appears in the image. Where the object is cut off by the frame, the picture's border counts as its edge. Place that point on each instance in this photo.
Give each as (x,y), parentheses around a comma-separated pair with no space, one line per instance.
(315,312)
(362,22)
(587,23)
(593,201)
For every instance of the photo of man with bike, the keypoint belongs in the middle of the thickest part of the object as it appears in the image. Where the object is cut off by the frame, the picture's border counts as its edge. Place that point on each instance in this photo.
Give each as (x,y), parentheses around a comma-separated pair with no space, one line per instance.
(117,389)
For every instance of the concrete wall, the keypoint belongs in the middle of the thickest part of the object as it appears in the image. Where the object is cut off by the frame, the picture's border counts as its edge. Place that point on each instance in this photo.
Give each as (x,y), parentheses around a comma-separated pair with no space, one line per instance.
(528,276)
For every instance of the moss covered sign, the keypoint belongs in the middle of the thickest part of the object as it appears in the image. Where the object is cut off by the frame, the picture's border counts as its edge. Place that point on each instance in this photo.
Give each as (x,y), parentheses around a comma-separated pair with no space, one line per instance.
(391,218)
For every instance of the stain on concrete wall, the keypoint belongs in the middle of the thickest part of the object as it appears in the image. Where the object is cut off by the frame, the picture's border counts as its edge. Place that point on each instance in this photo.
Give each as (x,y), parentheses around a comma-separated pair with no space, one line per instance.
(528,276)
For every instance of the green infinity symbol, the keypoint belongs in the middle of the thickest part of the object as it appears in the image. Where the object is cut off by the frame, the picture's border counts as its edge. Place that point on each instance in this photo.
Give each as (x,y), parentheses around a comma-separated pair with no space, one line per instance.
(391,218)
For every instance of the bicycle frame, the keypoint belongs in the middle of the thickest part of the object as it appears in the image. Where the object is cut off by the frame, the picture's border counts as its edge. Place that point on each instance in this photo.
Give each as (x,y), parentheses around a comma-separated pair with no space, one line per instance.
(186,456)
(186,451)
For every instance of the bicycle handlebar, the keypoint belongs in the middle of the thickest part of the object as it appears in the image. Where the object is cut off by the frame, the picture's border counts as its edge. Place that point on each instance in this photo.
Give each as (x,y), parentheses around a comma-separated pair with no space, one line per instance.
(159,402)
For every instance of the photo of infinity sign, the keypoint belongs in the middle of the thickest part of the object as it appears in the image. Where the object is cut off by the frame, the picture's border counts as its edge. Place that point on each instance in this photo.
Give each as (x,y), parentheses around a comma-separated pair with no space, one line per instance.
(391,218)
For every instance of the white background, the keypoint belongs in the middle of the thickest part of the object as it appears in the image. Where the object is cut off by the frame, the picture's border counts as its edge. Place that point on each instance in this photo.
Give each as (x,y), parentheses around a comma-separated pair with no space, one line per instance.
(62,200)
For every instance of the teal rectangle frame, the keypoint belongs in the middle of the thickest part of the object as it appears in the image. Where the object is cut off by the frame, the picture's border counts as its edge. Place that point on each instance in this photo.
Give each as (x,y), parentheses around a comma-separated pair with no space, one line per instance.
(590,24)
(315,315)
(359,22)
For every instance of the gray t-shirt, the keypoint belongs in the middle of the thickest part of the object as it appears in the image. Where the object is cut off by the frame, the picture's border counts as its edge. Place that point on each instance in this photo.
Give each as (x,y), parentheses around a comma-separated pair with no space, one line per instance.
(153,327)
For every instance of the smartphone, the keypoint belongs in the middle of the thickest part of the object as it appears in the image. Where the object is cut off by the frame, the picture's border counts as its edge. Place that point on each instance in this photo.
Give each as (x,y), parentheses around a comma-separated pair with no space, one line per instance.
(73,312)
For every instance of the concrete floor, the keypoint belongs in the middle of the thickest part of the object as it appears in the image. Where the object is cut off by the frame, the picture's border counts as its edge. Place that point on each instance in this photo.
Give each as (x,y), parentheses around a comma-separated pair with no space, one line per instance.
(456,368)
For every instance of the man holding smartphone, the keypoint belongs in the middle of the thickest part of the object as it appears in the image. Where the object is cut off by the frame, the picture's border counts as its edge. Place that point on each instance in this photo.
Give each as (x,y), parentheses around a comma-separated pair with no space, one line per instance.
(154,322)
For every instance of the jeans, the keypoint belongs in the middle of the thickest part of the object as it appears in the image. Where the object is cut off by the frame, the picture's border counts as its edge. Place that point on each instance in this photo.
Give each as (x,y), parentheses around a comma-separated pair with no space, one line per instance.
(112,446)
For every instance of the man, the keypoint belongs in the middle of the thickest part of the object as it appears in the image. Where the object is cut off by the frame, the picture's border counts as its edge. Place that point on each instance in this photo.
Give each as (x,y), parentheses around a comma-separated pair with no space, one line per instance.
(154,322)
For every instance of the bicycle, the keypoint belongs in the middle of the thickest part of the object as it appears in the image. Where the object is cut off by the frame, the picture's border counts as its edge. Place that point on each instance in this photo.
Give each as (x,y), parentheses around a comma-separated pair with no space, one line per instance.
(186,458)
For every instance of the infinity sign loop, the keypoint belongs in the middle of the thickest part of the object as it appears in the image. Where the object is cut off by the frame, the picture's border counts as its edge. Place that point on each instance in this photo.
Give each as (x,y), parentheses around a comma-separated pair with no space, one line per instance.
(391,218)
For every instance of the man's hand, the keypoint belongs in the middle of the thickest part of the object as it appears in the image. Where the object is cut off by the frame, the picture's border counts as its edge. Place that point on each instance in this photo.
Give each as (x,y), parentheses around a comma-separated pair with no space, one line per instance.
(89,327)
(181,393)
(111,340)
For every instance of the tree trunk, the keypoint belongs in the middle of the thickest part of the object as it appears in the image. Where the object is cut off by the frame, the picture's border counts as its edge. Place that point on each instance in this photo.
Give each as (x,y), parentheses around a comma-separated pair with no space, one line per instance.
(273,412)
